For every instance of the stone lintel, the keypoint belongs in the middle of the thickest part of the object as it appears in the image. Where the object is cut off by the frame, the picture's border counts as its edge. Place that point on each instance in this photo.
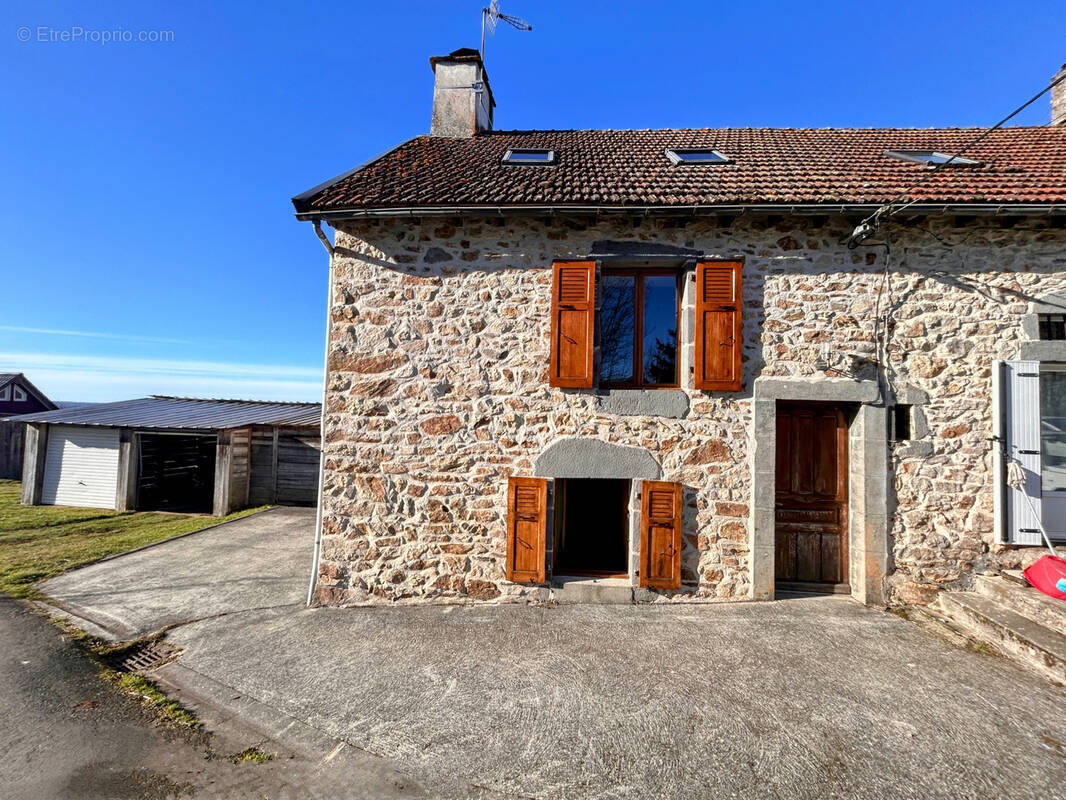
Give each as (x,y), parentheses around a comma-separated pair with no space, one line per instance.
(833,390)
(1043,351)
(591,458)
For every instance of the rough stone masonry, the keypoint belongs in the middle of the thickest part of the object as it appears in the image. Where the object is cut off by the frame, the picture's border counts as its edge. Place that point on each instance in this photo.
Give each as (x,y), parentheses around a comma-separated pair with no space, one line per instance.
(438,389)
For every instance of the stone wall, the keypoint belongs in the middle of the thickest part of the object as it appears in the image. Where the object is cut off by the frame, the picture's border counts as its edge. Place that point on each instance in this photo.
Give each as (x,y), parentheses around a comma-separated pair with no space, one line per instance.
(437,387)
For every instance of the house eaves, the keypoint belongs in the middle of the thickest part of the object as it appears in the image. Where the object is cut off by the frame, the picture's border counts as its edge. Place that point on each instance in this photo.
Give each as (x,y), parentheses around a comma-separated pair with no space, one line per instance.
(916,209)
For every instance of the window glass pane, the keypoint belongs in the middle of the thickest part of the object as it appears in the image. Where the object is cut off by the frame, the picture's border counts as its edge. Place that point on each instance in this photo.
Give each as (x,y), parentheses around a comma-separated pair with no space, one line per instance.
(1053,431)
(660,329)
(698,155)
(616,328)
(529,156)
(1052,326)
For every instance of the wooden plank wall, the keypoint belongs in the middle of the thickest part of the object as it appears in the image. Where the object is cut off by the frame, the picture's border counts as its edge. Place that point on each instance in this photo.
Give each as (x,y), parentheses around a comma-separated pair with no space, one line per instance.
(298,462)
(284,465)
(240,467)
(12,436)
(261,488)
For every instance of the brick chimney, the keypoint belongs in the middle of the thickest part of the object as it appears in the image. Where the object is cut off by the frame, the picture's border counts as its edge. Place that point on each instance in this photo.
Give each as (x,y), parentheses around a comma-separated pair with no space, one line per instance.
(462,99)
(1058,99)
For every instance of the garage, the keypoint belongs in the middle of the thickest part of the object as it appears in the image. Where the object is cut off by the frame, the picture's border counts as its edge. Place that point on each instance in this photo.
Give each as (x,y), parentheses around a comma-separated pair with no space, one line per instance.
(81,467)
(176,454)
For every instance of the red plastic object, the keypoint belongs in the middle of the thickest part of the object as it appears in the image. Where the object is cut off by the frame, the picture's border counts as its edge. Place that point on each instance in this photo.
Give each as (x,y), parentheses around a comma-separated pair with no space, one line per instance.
(1048,574)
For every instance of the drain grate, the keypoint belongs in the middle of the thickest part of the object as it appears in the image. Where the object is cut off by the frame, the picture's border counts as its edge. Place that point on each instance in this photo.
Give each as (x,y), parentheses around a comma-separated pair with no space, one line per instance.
(143,657)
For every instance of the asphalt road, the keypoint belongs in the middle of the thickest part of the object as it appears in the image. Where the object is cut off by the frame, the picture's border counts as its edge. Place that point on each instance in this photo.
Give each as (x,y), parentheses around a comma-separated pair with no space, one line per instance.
(66,733)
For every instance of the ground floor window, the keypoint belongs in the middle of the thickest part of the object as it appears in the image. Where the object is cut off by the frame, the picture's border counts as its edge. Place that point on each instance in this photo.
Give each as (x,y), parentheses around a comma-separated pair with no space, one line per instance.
(1034,425)
(1053,428)
(591,527)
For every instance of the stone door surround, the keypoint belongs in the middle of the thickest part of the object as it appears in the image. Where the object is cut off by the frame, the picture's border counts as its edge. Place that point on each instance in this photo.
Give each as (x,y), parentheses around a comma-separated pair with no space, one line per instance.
(868,480)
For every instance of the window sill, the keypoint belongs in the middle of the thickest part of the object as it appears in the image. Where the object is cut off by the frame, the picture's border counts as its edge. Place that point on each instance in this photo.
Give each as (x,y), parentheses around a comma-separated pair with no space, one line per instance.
(671,403)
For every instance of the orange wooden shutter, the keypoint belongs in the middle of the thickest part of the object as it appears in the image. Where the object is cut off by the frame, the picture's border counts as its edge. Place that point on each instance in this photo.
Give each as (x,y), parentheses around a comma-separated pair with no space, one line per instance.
(527,522)
(660,535)
(573,316)
(719,334)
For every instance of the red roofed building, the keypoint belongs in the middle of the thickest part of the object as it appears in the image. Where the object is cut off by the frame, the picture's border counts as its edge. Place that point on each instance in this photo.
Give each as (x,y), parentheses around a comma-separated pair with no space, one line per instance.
(671,366)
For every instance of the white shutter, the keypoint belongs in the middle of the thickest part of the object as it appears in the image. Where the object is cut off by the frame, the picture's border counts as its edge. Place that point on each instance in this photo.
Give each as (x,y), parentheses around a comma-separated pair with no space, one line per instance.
(1022,418)
(81,467)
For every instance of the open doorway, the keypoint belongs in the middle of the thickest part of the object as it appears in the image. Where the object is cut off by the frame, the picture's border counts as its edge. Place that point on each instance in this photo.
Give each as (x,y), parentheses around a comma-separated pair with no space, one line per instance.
(176,473)
(591,525)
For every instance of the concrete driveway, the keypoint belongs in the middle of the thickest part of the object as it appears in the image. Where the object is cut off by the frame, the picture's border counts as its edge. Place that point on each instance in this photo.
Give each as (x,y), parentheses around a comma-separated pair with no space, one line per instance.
(804,698)
(260,561)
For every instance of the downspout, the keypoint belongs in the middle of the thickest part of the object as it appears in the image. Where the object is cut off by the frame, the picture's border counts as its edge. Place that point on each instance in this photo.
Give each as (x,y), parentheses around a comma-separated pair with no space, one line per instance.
(322,418)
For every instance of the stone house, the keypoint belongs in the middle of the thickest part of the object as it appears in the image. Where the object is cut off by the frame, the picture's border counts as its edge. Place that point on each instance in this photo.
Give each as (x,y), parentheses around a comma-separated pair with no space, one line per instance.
(653,365)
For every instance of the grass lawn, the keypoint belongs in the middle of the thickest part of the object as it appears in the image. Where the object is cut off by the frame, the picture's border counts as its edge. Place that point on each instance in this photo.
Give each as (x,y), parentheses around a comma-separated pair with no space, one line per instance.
(38,542)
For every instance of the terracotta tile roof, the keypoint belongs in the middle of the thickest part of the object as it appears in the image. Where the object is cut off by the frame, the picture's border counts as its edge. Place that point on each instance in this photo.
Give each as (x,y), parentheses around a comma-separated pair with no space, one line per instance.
(771,166)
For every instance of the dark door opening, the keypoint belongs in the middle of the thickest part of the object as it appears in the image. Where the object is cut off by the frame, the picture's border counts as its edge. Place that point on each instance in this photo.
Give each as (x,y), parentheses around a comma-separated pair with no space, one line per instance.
(591,527)
(177,473)
(811,503)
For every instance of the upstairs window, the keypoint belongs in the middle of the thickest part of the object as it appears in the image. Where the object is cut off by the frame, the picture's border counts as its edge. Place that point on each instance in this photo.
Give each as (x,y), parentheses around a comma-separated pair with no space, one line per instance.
(1052,327)
(17,394)
(638,328)
(697,155)
(637,316)
(5,393)
(532,157)
(931,157)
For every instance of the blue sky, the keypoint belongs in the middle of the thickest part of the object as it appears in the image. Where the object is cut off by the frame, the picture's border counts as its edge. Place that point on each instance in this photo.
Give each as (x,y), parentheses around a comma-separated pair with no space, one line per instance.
(148,240)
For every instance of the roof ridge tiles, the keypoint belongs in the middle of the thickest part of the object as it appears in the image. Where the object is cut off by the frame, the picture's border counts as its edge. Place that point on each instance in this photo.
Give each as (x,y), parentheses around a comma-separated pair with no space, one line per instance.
(756,128)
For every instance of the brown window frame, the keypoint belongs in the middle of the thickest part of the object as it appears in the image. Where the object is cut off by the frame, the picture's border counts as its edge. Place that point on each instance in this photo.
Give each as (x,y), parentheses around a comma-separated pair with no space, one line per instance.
(638,325)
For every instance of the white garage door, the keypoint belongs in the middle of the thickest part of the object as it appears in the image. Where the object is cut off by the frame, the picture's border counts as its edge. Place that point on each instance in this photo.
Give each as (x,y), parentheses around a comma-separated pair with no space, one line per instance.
(81,467)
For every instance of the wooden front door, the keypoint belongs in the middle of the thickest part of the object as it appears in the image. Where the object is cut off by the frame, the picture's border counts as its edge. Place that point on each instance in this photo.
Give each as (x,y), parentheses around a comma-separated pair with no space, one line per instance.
(811,514)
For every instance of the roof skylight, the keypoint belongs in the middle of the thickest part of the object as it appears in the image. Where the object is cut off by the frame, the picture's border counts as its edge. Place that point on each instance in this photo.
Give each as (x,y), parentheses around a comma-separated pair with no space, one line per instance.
(696,155)
(529,156)
(932,157)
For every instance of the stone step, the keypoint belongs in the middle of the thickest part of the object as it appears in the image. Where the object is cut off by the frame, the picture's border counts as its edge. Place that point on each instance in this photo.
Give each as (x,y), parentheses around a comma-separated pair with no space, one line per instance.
(1024,600)
(1014,576)
(606,591)
(1020,638)
(935,622)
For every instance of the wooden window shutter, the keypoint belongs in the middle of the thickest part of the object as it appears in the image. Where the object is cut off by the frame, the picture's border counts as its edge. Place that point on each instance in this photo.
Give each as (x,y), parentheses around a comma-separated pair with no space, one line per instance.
(527,523)
(572,324)
(719,330)
(660,535)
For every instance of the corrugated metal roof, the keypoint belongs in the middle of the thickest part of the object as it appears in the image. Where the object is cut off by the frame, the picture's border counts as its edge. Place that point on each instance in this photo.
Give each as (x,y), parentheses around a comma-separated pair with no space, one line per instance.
(181,413)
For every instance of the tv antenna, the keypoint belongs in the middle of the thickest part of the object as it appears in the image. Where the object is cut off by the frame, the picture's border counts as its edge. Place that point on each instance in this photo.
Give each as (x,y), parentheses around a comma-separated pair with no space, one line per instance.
(489,17)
